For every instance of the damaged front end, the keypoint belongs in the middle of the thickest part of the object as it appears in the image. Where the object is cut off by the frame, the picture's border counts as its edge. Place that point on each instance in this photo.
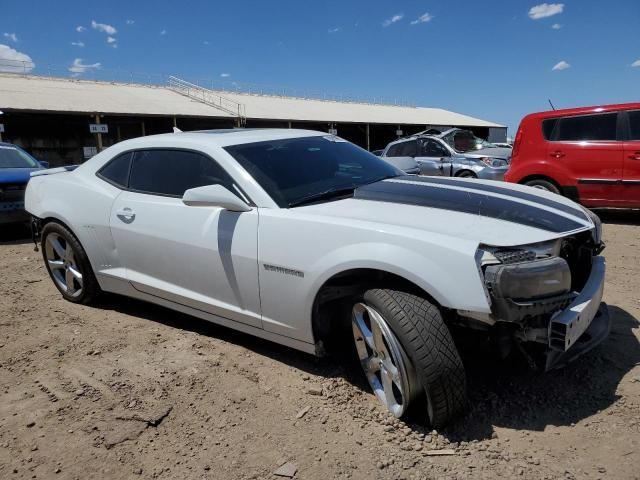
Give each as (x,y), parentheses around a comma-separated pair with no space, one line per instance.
(547,298)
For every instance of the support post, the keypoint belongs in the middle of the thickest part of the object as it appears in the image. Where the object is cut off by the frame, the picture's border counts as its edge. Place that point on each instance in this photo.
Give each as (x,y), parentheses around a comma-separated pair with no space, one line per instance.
(142,125)
(368,139)
(98,135)
(119,135)
(175,122)
(289,123)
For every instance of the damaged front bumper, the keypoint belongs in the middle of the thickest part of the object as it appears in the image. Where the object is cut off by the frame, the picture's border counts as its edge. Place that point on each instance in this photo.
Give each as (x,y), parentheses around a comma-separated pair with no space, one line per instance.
(582,325)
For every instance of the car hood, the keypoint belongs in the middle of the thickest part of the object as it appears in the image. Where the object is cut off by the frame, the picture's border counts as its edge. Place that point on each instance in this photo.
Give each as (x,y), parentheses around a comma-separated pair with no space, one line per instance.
(494,152)
(16,175)
(492,213)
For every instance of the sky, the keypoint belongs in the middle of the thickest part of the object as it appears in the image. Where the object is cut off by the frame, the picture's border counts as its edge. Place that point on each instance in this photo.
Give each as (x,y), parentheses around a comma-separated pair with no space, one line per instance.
(493,59)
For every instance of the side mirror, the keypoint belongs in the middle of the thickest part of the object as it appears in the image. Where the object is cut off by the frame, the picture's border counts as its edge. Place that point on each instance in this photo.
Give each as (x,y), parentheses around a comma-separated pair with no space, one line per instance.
(43,164)
(214,196)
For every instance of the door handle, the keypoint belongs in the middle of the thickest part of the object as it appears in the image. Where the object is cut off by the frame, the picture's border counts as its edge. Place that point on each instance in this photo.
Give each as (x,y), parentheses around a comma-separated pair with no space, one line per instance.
(557,154)
(126,215)
(635,156)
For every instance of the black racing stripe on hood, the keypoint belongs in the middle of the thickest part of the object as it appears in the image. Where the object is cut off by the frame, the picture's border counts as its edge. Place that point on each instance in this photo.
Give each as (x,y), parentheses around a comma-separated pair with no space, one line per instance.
(500,190)
(467,202)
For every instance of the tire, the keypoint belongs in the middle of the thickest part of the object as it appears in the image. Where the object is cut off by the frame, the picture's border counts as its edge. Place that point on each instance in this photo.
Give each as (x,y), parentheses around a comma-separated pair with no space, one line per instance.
(543,185)
(434,365)
(68,264)
(466,174)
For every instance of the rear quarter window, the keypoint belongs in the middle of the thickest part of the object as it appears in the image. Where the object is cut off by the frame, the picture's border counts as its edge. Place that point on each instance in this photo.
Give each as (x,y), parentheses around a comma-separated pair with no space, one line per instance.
(116,171)
(548,126)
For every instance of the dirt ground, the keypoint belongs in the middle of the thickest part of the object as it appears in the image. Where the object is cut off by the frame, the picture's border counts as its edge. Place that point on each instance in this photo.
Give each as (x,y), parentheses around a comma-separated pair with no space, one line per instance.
(130,390)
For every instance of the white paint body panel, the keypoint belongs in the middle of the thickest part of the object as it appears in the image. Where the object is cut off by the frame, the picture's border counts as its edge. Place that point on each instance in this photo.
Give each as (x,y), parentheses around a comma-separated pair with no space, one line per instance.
(210,262)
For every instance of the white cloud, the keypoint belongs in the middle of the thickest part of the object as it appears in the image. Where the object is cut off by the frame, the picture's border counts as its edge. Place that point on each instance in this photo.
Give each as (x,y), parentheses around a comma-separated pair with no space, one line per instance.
(13,61)
(11,36)
(78,67)
(111,40)
(225,75)
(427,17)
(103,27)
(163,32)
(396,18)
(561,65)
(78,44)
(80,29)
(636,63)
(206,42)
(545,10)
(333,30)
(130,22)
(556,26)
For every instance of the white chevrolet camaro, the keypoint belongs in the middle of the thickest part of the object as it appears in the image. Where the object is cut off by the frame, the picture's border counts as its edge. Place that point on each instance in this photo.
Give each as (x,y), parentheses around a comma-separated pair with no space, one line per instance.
(291,235)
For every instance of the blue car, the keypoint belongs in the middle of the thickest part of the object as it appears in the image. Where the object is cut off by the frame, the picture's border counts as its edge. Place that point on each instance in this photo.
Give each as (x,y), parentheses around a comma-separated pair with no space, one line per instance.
(15,167)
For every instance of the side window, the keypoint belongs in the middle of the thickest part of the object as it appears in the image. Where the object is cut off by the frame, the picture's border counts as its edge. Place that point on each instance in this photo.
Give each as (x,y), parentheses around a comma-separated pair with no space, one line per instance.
(116,171)
(408,149)
(431,148)
(172,172)
(394,150)
(634,125)
(586,127)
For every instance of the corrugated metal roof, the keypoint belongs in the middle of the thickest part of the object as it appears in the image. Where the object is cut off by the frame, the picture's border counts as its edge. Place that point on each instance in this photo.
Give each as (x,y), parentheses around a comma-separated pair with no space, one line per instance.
(67,95)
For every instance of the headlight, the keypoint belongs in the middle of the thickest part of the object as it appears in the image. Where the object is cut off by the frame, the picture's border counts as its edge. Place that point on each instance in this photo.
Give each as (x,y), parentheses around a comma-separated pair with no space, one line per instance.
(494,162)
(529,280)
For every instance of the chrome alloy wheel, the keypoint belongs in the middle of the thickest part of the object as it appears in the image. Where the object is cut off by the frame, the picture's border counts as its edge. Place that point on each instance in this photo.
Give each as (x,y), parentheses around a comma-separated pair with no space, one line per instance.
(383,360)
(62,264)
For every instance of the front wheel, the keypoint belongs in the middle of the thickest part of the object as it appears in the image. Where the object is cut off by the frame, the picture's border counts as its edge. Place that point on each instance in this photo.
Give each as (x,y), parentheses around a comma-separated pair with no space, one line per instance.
(407,354)
(467,174)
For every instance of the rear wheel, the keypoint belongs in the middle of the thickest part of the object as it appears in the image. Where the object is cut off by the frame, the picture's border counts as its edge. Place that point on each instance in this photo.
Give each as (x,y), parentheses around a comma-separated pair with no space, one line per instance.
(407,354)
(543,185)
(68,264)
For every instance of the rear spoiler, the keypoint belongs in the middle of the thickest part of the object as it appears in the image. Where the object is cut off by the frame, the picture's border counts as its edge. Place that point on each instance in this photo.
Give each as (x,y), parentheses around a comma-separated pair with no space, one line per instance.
(51,171)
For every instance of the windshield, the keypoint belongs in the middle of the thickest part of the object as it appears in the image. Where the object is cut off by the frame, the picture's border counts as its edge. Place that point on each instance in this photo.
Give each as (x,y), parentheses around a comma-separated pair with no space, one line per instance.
(11,157)
(464,141)
(296,169)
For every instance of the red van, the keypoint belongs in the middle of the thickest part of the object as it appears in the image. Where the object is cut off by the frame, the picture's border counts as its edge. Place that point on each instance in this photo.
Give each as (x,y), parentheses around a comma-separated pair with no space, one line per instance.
(590,154)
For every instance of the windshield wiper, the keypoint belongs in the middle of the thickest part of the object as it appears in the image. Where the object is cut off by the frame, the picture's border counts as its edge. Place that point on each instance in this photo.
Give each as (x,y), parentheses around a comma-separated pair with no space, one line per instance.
(325,195)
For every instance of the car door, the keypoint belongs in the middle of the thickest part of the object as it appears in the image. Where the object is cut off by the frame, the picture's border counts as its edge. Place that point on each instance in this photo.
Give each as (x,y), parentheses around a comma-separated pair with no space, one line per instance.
(589,149)
(433,158)
(201,257)
(402,154)
(631,169)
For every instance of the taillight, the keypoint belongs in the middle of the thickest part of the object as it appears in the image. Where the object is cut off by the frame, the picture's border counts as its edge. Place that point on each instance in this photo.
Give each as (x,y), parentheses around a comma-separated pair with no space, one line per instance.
(516,143)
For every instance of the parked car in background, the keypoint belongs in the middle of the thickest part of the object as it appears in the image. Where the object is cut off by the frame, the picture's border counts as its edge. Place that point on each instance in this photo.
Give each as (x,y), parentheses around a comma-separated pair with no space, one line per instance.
(15,167)
(453,153)
(377,153)
(302,238)
(590,154)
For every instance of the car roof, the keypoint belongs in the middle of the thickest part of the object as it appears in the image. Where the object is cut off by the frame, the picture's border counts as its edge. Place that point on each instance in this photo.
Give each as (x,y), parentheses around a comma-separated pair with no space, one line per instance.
(223,137)
(585,110)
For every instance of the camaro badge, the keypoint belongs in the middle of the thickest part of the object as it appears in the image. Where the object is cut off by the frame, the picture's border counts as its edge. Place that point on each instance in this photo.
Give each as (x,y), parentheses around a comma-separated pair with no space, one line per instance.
(286,271)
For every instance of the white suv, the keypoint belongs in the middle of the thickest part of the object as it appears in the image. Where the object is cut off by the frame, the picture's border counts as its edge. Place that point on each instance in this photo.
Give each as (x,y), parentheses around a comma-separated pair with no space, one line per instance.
(290,235)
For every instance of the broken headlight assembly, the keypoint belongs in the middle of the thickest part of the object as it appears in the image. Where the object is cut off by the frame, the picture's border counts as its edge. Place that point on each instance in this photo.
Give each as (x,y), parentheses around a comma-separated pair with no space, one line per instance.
(525,281)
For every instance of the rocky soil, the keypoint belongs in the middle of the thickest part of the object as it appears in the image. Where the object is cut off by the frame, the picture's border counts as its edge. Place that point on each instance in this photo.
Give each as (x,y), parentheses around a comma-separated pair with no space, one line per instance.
(129,390)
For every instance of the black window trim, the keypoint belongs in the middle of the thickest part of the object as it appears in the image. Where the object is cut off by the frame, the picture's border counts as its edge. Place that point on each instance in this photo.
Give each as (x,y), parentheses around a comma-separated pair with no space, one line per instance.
(133,151)
(626,124)
(620,134)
